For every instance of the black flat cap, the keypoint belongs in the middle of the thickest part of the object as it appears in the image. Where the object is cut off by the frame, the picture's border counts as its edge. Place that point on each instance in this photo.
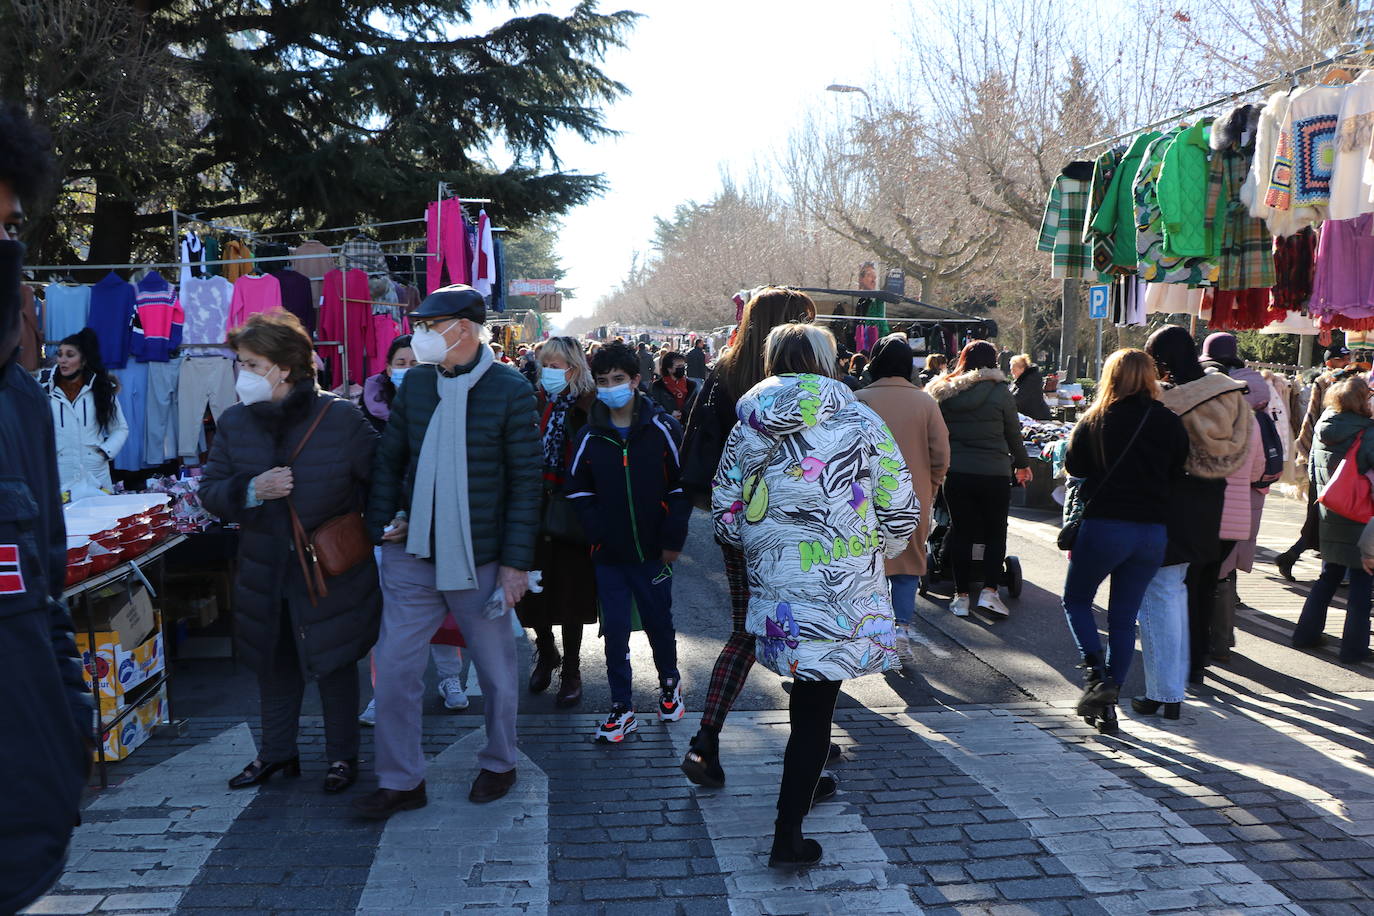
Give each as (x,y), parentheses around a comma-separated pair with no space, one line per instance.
(457,301)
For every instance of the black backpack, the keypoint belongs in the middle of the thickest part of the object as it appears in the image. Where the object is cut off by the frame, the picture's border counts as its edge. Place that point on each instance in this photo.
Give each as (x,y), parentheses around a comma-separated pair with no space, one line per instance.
(1272,443)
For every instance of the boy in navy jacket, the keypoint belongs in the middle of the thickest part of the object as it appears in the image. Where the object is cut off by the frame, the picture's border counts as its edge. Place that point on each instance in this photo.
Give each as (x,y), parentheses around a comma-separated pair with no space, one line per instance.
(625,486)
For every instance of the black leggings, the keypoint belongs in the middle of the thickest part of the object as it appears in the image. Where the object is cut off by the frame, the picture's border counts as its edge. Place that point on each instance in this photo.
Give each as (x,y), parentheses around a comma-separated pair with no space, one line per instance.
(572,643)
(1202,583)
(976,544)
(810,711)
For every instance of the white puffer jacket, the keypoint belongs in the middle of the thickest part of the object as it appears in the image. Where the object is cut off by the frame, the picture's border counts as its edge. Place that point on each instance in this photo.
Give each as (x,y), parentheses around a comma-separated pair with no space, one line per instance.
(83,449)
(834,501)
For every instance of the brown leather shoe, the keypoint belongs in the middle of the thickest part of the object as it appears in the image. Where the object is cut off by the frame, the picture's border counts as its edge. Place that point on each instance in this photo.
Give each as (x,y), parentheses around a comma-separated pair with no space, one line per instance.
(383,803)
(569,689)
(489,786)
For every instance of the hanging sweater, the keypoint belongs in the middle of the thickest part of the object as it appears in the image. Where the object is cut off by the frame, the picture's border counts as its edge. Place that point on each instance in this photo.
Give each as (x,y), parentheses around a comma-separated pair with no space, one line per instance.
(111,317)
(1351,184)
(158,320)
(253,294)
(349,325)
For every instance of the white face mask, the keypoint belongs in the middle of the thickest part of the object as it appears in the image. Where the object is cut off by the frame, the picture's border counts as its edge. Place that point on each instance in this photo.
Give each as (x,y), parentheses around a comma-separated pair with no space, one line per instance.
(429,346)
(253,388)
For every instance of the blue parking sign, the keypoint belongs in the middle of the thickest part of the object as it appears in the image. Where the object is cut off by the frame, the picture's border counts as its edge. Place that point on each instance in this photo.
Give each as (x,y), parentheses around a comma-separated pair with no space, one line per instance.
(1097,301)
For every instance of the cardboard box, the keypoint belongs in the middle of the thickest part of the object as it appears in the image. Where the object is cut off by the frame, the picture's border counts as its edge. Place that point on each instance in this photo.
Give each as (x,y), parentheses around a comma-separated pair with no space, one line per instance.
(137,727)
(128,646)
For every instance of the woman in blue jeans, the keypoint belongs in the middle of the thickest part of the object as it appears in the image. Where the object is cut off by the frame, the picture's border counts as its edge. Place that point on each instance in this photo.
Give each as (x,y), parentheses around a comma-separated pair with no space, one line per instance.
(1347,415)
(1128,451)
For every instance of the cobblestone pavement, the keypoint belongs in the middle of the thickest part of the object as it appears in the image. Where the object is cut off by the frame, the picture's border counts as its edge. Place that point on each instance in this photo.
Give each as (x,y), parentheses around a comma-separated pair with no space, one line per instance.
(1245,805)
(1259,800)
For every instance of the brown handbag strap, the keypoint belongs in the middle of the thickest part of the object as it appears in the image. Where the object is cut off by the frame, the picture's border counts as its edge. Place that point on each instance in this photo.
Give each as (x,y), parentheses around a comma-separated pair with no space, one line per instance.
(310,568)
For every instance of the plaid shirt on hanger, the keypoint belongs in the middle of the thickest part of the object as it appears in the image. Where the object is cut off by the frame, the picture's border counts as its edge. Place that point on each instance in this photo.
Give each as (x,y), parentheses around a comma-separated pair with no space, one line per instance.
(1247,248)
(1103,171)
(363,253)
(1061,230)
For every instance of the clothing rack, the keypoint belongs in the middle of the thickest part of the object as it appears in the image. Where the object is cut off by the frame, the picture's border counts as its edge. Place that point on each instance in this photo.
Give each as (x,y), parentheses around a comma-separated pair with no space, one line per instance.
(1290,75)
(305,232)
(159,265)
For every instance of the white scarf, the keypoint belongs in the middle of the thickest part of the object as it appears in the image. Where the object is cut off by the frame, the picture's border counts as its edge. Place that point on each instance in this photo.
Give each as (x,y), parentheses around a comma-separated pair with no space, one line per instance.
(440,501)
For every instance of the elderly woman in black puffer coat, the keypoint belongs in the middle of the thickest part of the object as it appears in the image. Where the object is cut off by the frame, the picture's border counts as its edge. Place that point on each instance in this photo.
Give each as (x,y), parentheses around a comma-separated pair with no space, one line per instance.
(284,635)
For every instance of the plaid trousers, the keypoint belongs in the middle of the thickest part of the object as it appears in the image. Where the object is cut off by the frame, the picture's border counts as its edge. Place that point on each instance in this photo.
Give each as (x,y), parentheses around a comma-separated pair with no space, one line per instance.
(737,657)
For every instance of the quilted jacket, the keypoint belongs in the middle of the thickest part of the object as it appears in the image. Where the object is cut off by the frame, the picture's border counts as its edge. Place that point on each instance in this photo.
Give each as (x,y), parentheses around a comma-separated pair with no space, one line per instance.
(984,431)
(1182,191)
(504,461)
(330,477)
(834,499)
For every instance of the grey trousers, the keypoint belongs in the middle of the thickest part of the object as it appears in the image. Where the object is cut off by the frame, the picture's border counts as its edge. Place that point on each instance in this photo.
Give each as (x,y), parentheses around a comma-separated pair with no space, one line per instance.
(281,687)
(412,611)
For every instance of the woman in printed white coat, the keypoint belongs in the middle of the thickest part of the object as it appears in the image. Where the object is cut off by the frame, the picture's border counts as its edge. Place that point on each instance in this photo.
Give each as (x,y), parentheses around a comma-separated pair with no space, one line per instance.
(813,489)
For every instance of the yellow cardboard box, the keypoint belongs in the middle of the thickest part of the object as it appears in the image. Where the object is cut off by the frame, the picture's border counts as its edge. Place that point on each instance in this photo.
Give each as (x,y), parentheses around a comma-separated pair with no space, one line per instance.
(137,727)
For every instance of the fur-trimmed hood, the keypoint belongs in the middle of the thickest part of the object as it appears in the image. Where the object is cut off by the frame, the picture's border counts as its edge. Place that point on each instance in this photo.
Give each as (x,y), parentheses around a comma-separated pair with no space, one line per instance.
(1236,128)
(947,386)
(1218,421)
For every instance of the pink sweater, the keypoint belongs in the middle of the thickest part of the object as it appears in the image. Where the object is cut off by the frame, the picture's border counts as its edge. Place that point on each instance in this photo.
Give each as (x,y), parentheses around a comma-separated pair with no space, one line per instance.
(253,294)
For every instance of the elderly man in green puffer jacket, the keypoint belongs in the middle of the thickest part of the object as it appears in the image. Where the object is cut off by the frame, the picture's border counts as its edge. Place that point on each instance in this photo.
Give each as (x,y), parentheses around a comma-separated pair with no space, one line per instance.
(456,489)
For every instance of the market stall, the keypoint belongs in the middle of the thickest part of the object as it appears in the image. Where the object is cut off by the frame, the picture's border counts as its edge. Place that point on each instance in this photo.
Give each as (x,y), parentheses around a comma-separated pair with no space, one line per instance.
(115,550)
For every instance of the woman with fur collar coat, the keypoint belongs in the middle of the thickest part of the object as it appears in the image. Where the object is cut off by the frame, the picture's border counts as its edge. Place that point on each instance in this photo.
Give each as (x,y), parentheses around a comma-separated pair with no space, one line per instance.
(985,451)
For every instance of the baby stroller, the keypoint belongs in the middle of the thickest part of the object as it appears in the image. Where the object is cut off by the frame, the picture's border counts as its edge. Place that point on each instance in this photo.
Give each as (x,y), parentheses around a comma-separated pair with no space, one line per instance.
(936,564)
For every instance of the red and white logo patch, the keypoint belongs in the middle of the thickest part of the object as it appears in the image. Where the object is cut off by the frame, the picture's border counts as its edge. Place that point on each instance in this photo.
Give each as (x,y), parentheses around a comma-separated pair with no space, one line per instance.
(11,576)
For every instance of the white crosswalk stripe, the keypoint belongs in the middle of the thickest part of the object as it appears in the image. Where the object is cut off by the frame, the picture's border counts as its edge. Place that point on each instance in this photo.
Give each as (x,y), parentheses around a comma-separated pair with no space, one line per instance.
(1131,851)
(739,818)
(147,863)
(452,854)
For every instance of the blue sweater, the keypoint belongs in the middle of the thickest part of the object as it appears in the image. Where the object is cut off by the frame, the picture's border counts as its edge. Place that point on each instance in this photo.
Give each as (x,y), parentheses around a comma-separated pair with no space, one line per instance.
(111,317)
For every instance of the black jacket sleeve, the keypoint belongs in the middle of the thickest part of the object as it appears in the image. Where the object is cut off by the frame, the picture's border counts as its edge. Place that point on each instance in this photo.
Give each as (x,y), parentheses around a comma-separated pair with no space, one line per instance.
(223,486)
(1081,457)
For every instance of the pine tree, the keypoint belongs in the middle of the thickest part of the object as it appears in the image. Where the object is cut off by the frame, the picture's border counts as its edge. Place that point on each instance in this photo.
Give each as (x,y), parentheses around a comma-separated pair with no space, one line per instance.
(292,113)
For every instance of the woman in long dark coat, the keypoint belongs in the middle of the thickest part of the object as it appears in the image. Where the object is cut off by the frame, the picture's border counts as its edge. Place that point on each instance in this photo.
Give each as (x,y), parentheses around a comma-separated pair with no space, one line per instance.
(281,633)
(566,391)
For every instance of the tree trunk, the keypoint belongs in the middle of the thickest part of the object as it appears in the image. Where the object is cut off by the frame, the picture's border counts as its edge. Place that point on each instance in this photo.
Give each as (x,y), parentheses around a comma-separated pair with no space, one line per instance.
(1068,339)
(1027,325)
(112,230)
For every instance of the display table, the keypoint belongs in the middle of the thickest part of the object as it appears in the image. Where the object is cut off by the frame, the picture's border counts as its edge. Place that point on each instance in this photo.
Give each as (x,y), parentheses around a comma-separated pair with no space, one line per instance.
(110,667)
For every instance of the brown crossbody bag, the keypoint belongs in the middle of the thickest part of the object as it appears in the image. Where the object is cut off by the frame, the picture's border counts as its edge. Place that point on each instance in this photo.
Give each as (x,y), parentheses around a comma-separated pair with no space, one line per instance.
(333,548)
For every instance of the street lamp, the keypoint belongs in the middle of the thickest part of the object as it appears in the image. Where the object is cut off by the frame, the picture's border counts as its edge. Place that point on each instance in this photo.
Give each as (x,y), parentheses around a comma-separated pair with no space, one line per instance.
(840,87)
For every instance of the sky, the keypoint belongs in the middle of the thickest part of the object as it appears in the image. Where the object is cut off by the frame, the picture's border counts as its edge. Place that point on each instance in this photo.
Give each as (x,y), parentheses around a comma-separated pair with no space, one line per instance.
(713,84)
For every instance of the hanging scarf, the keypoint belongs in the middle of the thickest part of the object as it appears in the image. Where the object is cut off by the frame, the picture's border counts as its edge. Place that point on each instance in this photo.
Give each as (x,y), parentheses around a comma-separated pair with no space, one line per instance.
(677,387)
(439,506)
(555,436)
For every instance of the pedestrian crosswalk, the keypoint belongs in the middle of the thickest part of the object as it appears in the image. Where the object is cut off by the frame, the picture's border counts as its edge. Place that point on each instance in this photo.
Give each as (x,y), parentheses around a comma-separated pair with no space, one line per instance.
(1106,820)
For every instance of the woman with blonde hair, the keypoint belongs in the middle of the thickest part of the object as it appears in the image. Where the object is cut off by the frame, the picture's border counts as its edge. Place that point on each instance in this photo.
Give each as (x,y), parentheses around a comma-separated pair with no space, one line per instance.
(566,394)
(1347,416)
(1127,451)
(813,491)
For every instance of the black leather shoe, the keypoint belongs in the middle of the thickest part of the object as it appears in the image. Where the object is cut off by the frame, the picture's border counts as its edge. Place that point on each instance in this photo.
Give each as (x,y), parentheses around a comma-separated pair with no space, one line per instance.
(541,675)
(569,690)
(342,774)
(836,752)
(383,803)
(489,786)
(1148,707)
(257,773)
(1285,562)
